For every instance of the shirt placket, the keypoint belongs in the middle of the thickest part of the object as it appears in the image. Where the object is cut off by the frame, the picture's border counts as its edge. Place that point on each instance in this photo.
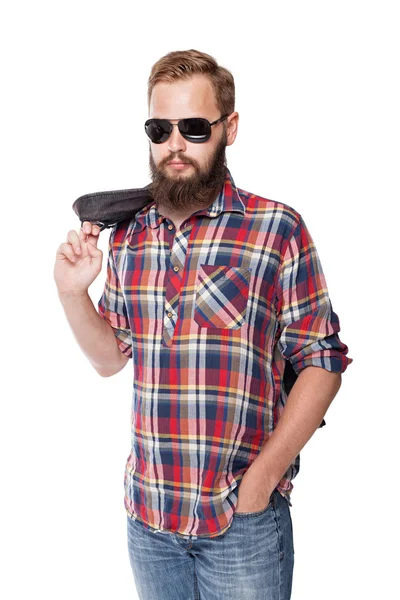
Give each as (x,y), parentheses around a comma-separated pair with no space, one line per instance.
(179,241)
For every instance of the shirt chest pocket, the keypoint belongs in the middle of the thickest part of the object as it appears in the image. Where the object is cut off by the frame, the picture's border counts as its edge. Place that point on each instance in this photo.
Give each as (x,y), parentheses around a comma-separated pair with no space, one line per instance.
(221,296)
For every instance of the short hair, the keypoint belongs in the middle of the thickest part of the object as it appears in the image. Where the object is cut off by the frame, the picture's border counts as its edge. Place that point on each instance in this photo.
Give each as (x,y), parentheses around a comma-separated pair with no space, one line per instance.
(183,64)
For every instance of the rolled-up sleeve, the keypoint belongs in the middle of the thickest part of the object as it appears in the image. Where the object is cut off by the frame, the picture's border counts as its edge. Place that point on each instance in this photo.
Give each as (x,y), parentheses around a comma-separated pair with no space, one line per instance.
(111,305)
(308,327)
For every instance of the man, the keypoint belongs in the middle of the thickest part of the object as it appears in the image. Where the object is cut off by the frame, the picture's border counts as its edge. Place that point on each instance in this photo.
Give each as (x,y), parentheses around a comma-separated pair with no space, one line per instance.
(210,290)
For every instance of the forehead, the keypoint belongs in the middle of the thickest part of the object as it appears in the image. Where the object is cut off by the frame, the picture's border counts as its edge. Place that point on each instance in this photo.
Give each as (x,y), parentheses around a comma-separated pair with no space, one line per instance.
(184,98)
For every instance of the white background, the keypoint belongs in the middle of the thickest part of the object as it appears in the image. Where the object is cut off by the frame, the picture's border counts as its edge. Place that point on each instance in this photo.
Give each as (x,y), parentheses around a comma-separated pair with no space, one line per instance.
(317,91)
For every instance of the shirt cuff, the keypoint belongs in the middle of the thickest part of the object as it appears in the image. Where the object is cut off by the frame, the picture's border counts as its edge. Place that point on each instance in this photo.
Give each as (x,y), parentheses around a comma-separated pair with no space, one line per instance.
(326,359)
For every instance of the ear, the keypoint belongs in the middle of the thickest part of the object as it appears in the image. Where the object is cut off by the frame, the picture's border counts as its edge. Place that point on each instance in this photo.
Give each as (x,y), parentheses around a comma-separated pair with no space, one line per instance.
(232,128)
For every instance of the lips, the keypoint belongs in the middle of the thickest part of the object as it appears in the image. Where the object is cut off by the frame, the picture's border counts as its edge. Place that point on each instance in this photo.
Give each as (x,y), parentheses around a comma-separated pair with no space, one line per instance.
(178,166)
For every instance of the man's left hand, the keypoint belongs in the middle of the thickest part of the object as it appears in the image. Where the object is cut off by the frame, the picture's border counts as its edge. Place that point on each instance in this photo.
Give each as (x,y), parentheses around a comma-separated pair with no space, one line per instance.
(254,494)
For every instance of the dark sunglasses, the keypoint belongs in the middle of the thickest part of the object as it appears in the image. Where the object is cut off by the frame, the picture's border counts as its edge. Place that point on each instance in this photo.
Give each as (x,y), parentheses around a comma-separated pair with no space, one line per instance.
(195,130)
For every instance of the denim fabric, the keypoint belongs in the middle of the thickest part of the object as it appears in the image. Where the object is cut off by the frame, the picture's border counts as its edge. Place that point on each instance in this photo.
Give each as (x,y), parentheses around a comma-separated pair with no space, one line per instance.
(252,560)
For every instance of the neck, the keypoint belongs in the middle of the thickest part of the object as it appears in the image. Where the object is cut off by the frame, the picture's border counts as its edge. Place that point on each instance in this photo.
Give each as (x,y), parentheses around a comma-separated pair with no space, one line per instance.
(169,210)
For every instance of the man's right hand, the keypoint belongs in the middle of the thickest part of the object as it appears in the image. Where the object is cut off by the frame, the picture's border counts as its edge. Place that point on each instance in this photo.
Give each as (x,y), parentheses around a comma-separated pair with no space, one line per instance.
(78,260)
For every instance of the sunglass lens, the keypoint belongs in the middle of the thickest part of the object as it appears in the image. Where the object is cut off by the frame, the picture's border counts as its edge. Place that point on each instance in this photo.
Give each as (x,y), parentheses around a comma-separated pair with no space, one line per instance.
(195,130)
(158,130)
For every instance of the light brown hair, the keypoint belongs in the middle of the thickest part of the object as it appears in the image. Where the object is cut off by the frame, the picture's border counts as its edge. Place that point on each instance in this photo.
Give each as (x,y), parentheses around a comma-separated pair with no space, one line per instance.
(182,64)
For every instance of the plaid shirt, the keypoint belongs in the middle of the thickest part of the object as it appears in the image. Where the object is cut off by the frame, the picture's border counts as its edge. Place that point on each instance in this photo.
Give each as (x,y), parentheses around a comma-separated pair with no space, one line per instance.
(209,315)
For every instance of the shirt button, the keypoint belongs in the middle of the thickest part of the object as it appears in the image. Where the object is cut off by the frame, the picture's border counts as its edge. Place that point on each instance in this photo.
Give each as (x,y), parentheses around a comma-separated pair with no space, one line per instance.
(176,269)
(170,314)
(170,226)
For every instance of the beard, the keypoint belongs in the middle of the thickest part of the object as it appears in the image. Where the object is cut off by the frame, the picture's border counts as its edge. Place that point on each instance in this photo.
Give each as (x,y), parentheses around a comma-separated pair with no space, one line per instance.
(180,192)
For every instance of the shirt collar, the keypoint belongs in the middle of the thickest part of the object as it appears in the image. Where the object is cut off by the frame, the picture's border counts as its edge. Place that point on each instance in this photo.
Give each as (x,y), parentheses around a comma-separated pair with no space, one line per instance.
(228,200)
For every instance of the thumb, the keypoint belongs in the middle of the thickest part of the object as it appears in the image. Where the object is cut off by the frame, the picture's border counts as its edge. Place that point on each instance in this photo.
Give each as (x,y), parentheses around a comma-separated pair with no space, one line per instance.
(93,250)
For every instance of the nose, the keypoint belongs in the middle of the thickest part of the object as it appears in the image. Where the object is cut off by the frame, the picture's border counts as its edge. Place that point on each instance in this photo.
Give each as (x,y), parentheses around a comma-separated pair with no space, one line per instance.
(176,142)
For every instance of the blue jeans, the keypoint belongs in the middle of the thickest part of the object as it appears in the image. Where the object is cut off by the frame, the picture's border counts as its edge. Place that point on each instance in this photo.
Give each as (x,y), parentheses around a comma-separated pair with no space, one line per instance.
(252,560)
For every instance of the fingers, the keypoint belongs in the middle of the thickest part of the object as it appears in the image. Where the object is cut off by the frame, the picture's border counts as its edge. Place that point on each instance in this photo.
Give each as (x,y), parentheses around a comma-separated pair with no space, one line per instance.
(87,227)
(67,250)
(89,232)
(74,241)
(73,247)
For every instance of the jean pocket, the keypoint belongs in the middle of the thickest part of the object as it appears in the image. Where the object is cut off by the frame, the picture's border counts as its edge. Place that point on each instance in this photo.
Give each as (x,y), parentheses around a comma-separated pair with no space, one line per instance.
(221,296)
(258,512)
